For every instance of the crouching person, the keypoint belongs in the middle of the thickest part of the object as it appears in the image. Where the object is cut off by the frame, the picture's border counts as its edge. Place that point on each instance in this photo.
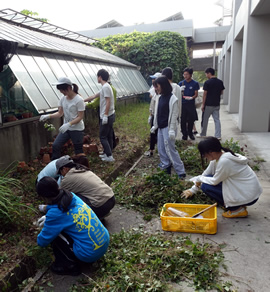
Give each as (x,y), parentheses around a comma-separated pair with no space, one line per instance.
(86,185)
(71,227)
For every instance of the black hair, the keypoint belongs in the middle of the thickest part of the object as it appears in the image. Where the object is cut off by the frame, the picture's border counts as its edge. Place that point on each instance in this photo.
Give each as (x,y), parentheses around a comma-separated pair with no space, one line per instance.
(189,70)
(168,72)
(47,187)
(165,85)
(81,159)
(210,70)
(103,74)
(211,144)
(68,165)
(65,86)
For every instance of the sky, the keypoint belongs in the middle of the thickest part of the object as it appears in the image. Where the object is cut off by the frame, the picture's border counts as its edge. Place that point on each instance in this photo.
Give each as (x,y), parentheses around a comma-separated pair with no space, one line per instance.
(87,15)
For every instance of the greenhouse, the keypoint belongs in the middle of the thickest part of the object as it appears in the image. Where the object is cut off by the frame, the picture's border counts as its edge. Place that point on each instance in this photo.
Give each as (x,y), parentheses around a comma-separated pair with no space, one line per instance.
(33,55)
(46,52)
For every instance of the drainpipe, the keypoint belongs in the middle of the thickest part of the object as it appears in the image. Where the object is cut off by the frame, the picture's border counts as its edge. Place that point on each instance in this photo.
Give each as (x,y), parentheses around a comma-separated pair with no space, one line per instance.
(214,55)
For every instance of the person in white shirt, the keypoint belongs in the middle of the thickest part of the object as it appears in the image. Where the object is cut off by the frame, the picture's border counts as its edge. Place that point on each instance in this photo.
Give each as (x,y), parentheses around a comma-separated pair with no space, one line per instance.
(71,106)
(106,114)
(228,179)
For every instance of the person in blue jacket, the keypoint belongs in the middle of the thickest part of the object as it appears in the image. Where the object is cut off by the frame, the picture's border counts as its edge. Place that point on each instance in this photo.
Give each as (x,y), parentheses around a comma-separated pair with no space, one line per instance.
(71,227)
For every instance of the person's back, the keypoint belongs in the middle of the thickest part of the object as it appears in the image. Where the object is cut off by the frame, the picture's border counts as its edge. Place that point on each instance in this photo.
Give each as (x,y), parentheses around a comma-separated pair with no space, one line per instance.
(214,88)
(87,184)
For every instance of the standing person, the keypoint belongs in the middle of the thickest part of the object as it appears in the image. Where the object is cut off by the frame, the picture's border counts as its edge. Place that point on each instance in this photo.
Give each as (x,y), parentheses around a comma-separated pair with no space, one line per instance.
(176,89)
(153,95)
(71,227)
(165,120)
(106,114)
(189,114)
(213,89)
(228,179)
(71,106)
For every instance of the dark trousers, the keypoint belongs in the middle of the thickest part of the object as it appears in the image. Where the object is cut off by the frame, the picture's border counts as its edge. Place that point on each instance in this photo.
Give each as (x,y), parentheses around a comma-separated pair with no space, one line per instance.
(187,120)
(76,138)
(153,136)
(63,252)
(215,192)
(102,210)
(106,135)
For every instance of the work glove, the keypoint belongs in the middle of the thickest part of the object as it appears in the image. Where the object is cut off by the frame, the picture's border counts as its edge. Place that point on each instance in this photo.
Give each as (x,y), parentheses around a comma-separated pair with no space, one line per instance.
(152,130)
(44,118)
(41,221)
(190,192)
(149,120)
(182,88)
(42,208)
(64,128)
(172,135)
(188,97)
(196,179)
(105,120)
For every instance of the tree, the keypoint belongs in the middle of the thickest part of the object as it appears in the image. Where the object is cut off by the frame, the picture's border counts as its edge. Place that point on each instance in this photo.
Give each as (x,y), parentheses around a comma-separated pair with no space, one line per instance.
(33,14)
(150,51)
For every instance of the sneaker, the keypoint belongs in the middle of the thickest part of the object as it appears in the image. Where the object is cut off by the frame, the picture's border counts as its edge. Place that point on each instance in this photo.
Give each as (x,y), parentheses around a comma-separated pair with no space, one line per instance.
(184,137)
(103,155)
(200,136)
(195,133)
(241,213)
(108,159)
(182,176)
(192,137)
(71,269)
(149,153)
(219,138)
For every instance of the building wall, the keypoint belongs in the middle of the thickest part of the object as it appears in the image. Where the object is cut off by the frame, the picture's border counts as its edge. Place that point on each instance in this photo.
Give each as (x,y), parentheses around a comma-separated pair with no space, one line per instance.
(245,64)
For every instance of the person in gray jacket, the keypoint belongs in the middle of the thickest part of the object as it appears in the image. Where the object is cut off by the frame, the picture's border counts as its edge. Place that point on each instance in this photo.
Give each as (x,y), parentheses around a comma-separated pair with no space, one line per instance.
(165,120)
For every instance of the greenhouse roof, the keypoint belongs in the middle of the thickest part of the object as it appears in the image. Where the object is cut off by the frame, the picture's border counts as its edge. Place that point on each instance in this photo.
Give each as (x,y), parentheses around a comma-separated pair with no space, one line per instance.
(36,34)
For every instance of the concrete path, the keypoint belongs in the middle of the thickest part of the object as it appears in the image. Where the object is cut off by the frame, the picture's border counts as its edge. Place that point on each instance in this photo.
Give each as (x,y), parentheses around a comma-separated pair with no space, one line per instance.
(247,239)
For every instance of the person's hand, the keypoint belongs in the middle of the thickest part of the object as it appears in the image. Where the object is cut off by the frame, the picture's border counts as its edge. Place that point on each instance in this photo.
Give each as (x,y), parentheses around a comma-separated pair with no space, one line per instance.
(172,135)
(42,208)
(44,118)
(152,130)
(41,221)
(188,97)
(149,120)
(105,120)
(182,88)
(64,128)
(187,194)
(202,108)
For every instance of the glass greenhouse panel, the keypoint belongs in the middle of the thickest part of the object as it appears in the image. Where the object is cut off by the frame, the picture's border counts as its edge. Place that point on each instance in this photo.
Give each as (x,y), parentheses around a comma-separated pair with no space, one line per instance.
(137,82)
(119,83)
(115,82)
(27,83)
(130,79)
(92,86)
(92,77)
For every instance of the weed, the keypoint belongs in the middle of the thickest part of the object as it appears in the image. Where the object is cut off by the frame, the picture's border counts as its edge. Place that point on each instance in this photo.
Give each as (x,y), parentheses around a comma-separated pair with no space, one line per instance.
(137,261)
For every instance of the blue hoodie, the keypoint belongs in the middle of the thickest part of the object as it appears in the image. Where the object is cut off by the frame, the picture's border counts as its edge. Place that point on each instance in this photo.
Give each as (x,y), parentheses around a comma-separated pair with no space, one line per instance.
(91,238)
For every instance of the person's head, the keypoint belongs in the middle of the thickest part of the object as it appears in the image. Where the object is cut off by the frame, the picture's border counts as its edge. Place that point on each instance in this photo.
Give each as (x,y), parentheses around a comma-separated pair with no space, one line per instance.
(187,74)
(162,85)
(155,76)
(64,85)
(209,72)
(102,75)
(81,159)
(49,190)
(64,164)
(168,72)
(211,148)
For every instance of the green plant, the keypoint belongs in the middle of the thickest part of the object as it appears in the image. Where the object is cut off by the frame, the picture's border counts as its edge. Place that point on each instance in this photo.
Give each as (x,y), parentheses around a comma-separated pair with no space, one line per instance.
(151,51)
(49,127)
(137,261)
(234,146)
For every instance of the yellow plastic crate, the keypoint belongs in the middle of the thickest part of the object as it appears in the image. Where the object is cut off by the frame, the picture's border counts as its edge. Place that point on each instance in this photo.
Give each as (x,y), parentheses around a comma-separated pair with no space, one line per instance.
(207,224)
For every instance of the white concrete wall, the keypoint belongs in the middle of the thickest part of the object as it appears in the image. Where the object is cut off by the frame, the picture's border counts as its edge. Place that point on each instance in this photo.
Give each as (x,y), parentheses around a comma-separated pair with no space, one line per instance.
(245,63)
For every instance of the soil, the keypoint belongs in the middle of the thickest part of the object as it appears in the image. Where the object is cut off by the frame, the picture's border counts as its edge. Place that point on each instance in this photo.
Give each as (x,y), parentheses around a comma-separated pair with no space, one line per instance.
(15,241)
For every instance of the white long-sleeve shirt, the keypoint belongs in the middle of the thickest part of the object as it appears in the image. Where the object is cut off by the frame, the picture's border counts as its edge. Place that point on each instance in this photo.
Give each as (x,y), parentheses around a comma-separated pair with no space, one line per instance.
(240,184)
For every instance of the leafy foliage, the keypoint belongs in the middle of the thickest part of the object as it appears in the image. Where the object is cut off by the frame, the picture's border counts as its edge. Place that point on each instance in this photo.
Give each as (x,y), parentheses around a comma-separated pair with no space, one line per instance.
(137,261)
(151,51)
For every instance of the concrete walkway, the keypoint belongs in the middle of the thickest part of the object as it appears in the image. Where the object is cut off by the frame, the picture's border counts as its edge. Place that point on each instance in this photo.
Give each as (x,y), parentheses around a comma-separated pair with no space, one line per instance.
(247,239)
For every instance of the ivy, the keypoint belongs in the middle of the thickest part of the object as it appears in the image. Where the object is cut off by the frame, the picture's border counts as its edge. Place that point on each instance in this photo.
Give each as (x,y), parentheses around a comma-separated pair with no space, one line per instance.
(150,51)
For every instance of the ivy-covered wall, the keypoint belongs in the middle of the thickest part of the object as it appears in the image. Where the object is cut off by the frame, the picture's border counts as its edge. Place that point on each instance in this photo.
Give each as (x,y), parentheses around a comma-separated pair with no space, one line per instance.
(151,51)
